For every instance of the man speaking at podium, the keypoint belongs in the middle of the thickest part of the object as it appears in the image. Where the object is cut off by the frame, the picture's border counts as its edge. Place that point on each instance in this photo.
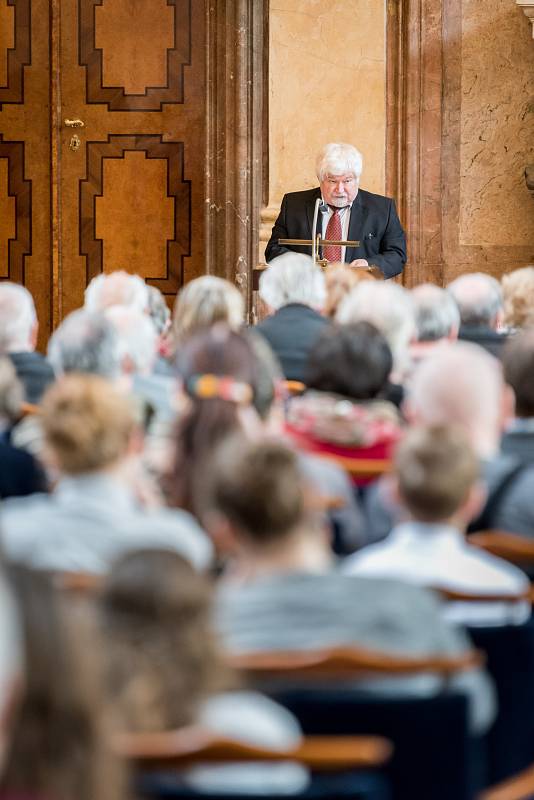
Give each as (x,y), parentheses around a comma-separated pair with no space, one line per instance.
(347,213)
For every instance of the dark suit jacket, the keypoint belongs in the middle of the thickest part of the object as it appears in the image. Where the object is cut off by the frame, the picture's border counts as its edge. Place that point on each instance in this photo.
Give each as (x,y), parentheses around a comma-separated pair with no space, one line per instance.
(490,340)
(34,372)
(292,332)
(373,222)
(20,474)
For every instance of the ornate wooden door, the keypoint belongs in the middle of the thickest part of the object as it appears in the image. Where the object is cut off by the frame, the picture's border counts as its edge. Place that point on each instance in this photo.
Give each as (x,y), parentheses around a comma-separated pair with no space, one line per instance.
(131,180)
(130,137)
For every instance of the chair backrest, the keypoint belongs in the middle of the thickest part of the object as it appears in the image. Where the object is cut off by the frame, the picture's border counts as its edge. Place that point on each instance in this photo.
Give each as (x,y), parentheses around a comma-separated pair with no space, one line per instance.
(361,468)
(510,661)
(433,757)
(157,757)
(510,546)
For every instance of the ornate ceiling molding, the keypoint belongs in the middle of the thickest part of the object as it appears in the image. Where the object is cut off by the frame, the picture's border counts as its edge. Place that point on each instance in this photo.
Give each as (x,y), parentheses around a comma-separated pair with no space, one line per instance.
(528,8)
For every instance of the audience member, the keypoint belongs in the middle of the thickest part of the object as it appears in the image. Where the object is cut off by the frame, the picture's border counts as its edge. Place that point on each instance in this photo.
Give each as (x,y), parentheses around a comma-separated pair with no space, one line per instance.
(85,342)
(12,667)
(60,743)
(160,315)
(203,302)
(217,369)
(117,288)
(20,473)
(389,308)
(165,671)
(437,319)
(18,337)
(518,298)
(93,515)
(293,289)
(339,280)
(281,592)
(437,482)
(479,299)
(342,413)
(518,365)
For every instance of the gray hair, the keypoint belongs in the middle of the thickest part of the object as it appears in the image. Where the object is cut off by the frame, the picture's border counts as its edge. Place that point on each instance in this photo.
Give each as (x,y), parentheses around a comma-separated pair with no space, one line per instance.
(158,310)
(479,298)
(292,278)
(436,313)
(85,342)
(337,158)
(118,288)
(17,317)
(11,392)
(137,338)
(388,307)
(461,384)
(205,301)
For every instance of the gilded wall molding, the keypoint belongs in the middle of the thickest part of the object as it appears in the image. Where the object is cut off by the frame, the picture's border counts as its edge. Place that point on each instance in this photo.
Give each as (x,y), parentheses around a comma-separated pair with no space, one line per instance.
(528,8)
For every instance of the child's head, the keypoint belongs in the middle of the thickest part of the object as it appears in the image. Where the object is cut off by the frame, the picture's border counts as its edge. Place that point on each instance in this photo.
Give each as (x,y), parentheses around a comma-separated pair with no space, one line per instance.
(437,472)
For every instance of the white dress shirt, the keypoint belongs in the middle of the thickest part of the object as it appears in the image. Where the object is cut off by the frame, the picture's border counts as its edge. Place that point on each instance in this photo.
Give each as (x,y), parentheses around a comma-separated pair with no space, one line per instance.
(438,556)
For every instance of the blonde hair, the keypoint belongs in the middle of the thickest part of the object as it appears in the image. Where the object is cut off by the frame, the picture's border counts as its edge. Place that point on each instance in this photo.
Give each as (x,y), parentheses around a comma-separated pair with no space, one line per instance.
(435,469)
(87,423)
(205,301)
(339,280)
(518,297)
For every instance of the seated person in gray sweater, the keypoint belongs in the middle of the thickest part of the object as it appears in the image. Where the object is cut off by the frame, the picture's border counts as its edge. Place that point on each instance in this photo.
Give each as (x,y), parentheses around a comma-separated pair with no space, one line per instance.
(281,592)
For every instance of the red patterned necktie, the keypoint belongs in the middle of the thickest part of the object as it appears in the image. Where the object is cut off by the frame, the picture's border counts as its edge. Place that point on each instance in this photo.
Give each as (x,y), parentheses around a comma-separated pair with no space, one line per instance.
(334,232)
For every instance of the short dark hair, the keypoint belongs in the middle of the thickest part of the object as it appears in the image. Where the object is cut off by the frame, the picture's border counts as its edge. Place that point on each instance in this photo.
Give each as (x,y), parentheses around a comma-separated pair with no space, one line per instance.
(518,365)
(258,487)
(352,360)
(435,468)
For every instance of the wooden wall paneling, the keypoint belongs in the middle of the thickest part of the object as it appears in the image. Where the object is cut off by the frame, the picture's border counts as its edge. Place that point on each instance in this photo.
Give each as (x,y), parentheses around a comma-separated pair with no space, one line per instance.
(132,195)
(25,151)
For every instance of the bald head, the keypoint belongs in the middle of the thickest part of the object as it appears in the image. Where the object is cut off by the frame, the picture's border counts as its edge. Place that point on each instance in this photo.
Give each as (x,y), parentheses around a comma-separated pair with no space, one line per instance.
(460,384)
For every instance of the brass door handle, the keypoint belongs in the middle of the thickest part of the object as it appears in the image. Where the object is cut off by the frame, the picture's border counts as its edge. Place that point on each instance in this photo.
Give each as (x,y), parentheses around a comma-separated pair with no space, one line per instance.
(74,123)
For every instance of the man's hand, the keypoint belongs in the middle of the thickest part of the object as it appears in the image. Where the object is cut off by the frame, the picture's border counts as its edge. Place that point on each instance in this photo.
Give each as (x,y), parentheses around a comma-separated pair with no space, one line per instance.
(359,262)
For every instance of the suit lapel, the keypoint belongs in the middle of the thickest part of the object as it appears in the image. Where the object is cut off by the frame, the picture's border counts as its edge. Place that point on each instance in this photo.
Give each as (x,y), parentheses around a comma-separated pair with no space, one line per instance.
(310,208)
(358,215)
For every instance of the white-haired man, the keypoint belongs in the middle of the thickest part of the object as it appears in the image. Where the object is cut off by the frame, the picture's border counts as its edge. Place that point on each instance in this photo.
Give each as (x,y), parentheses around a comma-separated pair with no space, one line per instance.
(480,301)
(350,213)
(18,336)
(118,288)
(294,291)
(437,319)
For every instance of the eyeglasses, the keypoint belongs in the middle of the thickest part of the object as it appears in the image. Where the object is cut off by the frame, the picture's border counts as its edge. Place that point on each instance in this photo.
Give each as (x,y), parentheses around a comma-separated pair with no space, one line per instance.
(345,181)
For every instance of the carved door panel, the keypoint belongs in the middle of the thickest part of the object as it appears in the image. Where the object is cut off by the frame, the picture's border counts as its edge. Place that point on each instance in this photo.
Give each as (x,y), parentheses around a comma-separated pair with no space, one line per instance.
(131,180)
(25,241)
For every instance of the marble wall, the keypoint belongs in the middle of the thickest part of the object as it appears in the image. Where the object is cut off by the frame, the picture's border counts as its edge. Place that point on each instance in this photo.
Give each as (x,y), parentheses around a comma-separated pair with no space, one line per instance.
(327,82)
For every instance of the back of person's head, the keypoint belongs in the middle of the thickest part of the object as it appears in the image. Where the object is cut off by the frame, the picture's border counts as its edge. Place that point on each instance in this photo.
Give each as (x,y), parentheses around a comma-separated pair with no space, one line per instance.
(460,384)
(85,342)
(479,299)
(11,393)
(518,297)
(87,424)
(269,377)
(60,744)
(258,487)
(206,301)
(436,313)
(351,360)
(136,339)
(389,308)
(162,661)
(292,278)
(158,310)
(11,664)
(435,470)
(218,371)
(518,366)
(18,320)
(339,280)
(118,288)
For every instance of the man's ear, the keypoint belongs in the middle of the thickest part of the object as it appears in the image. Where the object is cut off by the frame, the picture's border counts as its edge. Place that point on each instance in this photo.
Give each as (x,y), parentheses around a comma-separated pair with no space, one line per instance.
(33,335)
(507,408)
(221,533)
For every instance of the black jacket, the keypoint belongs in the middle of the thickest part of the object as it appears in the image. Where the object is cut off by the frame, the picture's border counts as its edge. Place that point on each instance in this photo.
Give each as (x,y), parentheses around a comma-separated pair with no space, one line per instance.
(34,372)
(373,222)
(292,332)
